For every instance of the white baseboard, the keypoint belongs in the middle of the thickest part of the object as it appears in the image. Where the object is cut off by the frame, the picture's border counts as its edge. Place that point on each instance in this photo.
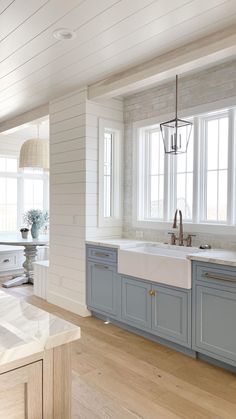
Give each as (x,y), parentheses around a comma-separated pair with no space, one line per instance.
(68,304)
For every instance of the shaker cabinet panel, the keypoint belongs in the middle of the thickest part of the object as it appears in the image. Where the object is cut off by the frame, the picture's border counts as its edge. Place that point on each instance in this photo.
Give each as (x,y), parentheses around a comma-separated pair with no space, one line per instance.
(21,393)
(214,321)
(136,302)
(170,314)
(102,282)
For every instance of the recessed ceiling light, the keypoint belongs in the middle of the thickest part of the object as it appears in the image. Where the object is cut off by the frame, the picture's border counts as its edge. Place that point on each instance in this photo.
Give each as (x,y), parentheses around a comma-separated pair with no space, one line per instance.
(64,34)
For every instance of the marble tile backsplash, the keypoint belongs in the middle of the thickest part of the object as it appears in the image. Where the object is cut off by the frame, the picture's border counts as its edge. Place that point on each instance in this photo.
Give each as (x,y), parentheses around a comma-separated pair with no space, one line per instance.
(216,241)
(208,86)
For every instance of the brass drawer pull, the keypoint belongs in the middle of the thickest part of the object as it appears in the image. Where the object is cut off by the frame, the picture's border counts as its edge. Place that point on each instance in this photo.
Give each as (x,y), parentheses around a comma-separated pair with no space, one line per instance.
(219,277)
(100,266)
(152,293)
(102,255)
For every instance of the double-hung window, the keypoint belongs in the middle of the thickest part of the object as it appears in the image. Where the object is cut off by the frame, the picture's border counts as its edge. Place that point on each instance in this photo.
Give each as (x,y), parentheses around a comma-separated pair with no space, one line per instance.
(201,182)
(110,172)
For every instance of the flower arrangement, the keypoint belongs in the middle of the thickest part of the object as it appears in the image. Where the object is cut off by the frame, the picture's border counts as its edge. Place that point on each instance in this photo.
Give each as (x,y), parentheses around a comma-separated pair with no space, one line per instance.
(36,219)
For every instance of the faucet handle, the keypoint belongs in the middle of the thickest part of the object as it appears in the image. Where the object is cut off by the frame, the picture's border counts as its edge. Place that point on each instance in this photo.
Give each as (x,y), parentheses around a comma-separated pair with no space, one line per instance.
(173,238)
(189,239)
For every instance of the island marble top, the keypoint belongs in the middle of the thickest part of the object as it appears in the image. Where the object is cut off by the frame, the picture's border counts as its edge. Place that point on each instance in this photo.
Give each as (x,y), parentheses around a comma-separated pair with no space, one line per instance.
(26,330)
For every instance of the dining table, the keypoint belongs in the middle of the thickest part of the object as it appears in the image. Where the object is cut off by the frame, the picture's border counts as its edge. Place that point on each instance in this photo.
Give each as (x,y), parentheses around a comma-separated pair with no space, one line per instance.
(30,246)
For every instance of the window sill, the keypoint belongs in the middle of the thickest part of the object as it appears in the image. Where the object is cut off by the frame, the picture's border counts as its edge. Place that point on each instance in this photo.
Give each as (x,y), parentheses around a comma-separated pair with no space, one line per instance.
(188,227)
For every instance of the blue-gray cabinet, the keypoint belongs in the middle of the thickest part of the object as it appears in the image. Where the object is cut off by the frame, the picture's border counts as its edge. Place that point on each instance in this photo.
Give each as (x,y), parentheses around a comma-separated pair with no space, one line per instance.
(160,310)
(136,302)
(102,283)
(171,314)
(214,311)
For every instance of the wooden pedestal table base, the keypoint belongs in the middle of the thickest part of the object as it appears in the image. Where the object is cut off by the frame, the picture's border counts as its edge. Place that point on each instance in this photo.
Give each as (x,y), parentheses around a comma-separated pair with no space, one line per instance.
(30,252)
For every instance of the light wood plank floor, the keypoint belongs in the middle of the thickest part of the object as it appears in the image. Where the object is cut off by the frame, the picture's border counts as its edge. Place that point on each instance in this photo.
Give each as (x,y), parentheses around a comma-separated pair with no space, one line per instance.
(119,375)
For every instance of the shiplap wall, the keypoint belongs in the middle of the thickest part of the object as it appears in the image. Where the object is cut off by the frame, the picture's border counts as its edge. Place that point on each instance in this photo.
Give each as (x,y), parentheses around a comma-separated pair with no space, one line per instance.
(66,284)
(74,193)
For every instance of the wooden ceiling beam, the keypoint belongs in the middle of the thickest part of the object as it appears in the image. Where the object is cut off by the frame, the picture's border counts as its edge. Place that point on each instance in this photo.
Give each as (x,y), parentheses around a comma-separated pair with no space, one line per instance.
(199,54)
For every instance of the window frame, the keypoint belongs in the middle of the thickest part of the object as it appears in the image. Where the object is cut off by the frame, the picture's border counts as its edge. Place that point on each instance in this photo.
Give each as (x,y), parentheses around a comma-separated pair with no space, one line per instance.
(20,176)
(117,128)
(196,224)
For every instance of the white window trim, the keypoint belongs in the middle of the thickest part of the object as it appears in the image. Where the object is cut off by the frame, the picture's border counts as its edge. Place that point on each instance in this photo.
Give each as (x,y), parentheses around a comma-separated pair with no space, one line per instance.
(118,128)
(195,226)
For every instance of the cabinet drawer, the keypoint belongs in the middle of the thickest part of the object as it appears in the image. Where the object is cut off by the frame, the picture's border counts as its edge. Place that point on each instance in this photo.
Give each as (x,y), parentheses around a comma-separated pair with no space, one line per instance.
(215,274)
(101,254)
(8,261)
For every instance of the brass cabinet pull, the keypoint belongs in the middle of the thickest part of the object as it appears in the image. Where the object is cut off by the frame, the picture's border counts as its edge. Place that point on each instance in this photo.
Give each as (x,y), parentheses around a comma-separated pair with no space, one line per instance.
(100,266)
(210,275)
(152,293)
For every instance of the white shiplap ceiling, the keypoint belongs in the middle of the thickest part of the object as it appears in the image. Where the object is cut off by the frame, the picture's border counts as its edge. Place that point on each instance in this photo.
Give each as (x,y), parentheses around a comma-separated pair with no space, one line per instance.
(112,35)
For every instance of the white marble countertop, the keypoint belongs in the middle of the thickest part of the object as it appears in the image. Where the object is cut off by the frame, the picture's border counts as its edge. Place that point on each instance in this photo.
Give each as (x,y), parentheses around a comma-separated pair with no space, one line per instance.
(218,256)
(26,330)
(115,243)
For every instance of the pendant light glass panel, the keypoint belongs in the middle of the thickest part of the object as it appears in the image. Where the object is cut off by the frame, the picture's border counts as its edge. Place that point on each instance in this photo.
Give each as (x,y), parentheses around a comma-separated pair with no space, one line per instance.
(176,135)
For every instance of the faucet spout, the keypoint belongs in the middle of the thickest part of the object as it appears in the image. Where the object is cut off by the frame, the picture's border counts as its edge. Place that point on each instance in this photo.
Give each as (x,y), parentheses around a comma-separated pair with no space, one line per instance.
(181,231)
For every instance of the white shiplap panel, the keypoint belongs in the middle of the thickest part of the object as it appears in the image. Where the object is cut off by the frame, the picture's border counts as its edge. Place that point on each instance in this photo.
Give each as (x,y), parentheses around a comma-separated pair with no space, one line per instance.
(70,134)
(69,145)
(67,203)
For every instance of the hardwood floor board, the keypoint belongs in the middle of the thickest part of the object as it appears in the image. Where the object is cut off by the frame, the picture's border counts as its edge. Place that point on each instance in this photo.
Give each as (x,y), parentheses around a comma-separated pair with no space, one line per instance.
(104,406)
(157,376)
(131,396)
(120,375)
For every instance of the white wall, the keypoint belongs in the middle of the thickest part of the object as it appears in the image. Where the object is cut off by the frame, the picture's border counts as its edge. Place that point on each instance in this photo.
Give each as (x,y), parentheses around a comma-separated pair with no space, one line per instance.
(74,193)
(211,88)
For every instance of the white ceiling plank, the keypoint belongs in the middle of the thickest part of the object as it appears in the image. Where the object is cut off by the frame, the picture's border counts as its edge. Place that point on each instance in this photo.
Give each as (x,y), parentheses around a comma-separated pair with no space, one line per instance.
(4,4)
(112,51)
(37,36)
(29,31)
(89,22)
(17,14)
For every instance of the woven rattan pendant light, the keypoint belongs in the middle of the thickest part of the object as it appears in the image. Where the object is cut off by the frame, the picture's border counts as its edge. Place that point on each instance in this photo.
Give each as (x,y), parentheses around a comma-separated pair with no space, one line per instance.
(34,153)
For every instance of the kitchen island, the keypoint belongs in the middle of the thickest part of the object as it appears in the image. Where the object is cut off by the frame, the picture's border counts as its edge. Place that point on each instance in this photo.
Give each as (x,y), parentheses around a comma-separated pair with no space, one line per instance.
(35,368)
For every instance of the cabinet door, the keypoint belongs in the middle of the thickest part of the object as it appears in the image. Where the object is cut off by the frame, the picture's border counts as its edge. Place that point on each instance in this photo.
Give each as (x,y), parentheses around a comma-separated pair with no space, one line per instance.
(102,282)
(171,314)
(214,321)
(21,393)
(136,303)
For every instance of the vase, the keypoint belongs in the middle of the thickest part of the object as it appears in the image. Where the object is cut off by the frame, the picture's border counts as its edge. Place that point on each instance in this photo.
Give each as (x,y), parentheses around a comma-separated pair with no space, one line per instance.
(24,234)
(35,231)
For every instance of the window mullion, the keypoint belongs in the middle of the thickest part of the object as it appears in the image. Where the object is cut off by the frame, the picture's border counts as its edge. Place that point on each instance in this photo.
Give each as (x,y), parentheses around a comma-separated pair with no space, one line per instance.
(167,194)
(231,168)
(196,171)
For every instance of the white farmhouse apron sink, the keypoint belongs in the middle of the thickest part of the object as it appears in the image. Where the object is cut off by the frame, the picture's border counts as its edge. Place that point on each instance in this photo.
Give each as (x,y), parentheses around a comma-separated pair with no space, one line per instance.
(158,263)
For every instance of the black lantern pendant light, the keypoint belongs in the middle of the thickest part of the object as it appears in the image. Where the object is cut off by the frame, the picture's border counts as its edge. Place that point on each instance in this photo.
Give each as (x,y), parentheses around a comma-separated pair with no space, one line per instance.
(176,132)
